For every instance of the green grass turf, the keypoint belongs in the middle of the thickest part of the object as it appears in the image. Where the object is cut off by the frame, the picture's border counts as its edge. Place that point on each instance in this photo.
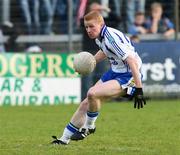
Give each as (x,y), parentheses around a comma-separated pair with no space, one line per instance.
(121,129)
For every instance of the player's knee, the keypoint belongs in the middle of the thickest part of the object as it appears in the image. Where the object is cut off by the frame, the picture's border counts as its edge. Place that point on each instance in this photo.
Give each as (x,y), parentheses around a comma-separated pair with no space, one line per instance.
(91,93)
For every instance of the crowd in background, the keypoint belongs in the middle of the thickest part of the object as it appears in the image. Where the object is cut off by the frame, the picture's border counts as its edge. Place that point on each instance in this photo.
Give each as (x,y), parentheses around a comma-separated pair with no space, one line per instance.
(49,17)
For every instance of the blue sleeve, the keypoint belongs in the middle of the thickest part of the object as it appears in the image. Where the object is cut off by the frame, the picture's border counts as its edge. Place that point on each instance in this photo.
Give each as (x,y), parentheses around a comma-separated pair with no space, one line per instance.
(169,24)
(132,30)
(148,23)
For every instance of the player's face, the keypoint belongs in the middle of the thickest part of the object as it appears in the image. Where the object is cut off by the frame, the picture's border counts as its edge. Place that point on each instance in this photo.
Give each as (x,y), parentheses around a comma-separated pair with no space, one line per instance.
(93,28)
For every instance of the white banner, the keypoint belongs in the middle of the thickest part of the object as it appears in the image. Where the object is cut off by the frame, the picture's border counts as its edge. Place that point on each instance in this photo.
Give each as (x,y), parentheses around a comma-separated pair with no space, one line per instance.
(39,91)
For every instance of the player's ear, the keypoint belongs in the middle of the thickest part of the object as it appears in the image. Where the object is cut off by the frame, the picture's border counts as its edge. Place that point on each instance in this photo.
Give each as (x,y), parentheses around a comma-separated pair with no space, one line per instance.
(101,24)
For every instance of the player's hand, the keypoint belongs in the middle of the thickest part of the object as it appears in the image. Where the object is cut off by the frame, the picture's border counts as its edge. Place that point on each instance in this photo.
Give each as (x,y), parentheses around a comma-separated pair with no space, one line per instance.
(139,100)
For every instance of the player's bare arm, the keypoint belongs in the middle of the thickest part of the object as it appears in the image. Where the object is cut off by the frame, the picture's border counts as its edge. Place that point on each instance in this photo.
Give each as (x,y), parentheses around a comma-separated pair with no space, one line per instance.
(139,100)
(99,56)
(131,60)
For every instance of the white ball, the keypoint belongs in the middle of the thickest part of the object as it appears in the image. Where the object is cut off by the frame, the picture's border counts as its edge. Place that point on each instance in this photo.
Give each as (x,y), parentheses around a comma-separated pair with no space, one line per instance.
(84,63)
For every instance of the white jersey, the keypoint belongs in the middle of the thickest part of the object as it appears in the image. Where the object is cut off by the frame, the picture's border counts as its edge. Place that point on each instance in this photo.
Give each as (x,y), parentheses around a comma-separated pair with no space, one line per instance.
(117,47)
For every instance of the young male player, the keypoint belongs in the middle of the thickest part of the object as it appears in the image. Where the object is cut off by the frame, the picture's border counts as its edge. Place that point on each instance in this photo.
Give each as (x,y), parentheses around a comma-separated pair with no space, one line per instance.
(123,78)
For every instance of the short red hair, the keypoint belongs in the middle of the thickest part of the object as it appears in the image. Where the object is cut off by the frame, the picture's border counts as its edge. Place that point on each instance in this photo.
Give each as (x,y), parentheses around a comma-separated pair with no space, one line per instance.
(94,15)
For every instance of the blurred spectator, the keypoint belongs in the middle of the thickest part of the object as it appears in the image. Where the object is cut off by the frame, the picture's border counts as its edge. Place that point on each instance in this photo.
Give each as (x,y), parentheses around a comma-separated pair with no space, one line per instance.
(38,15)
(157,23)
(135,39)
(5,11)
(30,12)
(12,32)
(81,11)
(100,8)
(114,17)
(76,4)
(109,10)
(139,26)
(2,49)
(118,8)
(47,10)
(134,6)
(62,15)
(169,7)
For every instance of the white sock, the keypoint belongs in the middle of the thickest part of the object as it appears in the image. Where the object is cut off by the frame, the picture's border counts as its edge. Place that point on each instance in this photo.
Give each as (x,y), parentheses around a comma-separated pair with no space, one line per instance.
(69,130)
(91,119)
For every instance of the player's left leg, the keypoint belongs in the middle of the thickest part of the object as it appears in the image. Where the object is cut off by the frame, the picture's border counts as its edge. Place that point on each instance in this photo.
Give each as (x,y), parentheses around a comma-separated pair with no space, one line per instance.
(76,122)
(95,94)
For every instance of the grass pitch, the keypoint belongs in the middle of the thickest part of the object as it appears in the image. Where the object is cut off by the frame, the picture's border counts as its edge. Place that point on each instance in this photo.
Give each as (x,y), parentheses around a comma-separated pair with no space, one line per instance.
(121,129)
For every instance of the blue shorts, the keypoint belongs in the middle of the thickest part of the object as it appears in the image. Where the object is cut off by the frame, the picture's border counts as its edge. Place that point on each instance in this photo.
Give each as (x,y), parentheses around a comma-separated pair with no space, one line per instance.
(125,80)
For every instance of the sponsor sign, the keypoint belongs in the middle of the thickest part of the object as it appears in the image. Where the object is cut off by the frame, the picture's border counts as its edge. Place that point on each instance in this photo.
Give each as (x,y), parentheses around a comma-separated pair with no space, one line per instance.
(37,79)
(161,67)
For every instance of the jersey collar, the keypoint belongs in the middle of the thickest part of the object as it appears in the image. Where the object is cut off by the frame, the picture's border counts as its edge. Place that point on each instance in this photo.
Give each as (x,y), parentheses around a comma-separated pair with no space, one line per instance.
(103,30)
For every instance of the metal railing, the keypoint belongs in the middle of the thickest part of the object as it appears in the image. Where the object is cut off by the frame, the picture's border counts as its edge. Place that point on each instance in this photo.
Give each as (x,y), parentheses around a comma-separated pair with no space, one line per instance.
(77,38)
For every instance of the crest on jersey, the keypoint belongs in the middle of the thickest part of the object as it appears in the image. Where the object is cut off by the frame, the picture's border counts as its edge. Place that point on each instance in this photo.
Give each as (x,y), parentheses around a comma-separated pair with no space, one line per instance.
(111,39)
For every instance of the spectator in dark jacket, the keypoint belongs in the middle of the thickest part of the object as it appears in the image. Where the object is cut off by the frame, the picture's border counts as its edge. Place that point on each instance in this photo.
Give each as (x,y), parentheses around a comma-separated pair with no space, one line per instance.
(139,26)
(157,23)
